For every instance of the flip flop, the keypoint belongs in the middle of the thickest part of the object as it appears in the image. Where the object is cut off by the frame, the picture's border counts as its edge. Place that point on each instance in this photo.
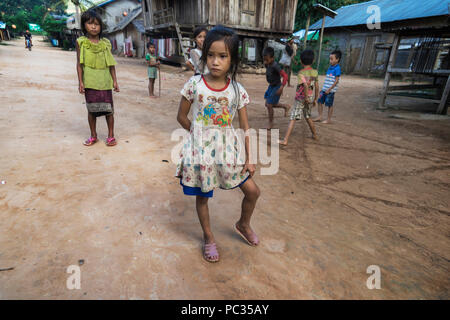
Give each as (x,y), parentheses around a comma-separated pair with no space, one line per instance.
(110,142)
(90,141)
(209,251)
(245,238)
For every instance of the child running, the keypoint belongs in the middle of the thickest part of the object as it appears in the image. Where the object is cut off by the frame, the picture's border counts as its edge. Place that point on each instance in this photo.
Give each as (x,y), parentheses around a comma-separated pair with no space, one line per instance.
(205,157)
(195,62)
(275,89)
(96,75)
(330,86)
(153,66)
(306,95)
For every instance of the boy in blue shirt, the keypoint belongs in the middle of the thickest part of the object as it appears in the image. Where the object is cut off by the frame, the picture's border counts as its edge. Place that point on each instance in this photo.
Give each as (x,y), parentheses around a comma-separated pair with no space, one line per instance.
(330,86)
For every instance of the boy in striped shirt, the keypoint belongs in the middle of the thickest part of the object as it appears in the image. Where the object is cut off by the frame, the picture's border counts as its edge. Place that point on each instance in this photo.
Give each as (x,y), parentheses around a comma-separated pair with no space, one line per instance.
(330,86)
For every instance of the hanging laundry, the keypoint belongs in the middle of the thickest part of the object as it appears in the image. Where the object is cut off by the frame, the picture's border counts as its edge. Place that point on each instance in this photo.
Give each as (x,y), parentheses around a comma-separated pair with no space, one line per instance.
(128,48)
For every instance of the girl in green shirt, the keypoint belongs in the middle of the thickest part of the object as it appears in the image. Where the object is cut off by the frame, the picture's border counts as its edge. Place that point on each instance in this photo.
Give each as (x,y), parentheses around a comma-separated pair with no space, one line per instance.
(96,75)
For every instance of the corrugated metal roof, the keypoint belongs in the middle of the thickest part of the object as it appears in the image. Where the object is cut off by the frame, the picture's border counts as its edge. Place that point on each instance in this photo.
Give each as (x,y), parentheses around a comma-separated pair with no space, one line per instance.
(391,10)
(104,3)
(127,20)
(101,4)
(139,25)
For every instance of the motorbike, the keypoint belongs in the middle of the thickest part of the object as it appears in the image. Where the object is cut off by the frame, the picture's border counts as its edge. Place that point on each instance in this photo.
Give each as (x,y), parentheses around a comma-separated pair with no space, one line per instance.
(29,44)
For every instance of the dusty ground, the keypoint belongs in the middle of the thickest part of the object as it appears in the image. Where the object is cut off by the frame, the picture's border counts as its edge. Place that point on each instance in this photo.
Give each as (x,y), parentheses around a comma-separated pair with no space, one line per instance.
(373,191)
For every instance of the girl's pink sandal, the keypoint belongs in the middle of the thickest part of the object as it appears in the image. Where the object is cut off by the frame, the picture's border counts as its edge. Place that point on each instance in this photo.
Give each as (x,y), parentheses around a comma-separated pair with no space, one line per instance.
(110,142)
(210,251)
(90,141)
(253,242)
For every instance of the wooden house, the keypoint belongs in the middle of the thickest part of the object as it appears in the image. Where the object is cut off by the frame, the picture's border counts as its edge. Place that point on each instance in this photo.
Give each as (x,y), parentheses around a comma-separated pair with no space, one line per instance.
(411,40)
(255,21)
(365,46)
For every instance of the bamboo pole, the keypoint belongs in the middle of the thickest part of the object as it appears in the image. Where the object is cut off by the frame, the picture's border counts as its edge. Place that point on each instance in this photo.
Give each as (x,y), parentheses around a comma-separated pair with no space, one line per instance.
(308,21)
(387,78)
(321,39)
(444,99)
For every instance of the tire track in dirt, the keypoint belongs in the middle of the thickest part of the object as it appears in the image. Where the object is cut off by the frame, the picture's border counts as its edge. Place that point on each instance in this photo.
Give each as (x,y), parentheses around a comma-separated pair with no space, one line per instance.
(392,145)
(378,151)
(388,202)
(433,256)
(382,175)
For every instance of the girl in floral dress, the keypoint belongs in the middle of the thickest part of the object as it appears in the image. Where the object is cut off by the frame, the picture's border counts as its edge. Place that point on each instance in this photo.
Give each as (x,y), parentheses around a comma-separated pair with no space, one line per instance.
(212,155)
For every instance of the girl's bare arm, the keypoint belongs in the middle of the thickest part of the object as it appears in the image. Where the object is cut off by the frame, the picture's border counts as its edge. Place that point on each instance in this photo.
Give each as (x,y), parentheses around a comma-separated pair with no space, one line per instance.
(190,65)
(79,71)
(183,111)
(112,70)
(243,123)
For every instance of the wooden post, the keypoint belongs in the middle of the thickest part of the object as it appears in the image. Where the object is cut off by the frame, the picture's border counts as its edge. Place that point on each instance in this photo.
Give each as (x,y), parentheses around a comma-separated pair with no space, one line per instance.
(387,78)
(321,39)
(77,17)
(308,21)
(442,105)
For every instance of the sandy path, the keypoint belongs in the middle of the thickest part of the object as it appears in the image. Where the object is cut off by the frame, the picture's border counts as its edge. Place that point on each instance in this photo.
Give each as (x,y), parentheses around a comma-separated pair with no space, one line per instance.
(373,191)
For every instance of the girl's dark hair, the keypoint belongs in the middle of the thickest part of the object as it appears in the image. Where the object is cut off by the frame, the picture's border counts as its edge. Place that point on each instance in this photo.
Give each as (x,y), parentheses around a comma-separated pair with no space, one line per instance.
(307,57)
(199,30)
(88,16)
(150,44)
(231,39)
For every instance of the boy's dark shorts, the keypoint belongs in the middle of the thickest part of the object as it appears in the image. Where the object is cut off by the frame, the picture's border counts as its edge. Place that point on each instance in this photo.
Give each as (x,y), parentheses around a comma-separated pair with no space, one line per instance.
(326,99)
(271,95)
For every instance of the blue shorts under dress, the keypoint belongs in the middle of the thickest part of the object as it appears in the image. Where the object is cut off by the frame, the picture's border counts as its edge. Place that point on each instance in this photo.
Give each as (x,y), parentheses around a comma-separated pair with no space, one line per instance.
(197,191)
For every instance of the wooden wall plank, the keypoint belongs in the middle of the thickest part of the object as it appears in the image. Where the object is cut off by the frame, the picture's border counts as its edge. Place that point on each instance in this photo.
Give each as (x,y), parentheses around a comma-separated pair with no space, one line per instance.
(268,6)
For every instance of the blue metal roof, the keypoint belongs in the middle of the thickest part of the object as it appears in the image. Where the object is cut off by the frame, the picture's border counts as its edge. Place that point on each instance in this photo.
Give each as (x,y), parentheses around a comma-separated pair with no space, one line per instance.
(391,10)
(139,25)
(107,2)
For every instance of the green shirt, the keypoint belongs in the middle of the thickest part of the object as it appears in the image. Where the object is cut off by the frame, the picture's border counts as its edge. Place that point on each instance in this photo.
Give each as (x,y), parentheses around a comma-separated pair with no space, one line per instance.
(312,73)
(307,81)
(151,58)
(95,59)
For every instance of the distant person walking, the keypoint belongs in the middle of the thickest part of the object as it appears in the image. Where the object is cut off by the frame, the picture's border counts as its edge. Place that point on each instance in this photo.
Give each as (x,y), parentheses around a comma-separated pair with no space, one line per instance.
(286,59)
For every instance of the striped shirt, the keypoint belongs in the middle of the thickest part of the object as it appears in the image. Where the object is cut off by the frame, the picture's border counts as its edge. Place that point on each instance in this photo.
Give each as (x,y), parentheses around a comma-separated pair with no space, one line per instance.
(332,73)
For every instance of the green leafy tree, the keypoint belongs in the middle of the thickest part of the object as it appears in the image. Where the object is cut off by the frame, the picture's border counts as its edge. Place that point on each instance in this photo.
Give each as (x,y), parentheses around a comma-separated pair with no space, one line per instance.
(52,26)
(37,14)
(22,12)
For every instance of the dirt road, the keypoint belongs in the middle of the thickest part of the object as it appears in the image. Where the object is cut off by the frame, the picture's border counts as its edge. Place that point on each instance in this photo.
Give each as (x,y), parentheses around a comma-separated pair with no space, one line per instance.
(373,191)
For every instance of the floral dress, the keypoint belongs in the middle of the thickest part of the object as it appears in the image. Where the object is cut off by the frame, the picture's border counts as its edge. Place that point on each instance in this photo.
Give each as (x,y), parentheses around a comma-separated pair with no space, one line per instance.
(212,155)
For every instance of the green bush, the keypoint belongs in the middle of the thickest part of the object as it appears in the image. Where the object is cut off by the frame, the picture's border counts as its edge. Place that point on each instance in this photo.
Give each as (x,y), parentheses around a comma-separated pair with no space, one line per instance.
(328,45)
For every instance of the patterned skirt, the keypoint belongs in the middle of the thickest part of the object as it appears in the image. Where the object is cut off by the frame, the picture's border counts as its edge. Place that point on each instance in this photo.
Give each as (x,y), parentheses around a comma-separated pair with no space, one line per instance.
(99,102)
(212,157)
